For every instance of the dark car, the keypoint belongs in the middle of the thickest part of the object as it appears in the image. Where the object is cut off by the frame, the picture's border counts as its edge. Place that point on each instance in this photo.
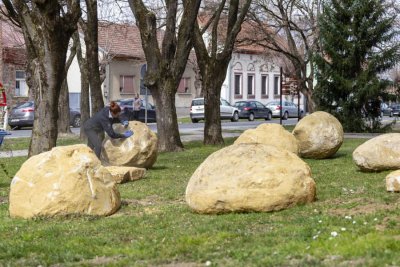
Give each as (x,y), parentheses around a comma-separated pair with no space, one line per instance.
(253,110)
(23,114)
(74,118)
(395,109)
(127,107)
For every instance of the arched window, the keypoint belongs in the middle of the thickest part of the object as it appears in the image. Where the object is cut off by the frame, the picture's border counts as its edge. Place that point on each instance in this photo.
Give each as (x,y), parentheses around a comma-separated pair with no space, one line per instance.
(250,67)
(238,66)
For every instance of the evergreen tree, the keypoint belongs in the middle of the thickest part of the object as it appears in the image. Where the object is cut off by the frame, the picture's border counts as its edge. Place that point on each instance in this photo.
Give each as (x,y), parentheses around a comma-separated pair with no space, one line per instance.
(357,41)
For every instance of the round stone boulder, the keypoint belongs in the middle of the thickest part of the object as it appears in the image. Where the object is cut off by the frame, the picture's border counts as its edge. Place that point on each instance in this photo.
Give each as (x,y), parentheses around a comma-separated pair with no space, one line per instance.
(270,134)
(319,135)
(139,150)
(66,180)
(250,177)
(379,153)
(393,181)
(123,174)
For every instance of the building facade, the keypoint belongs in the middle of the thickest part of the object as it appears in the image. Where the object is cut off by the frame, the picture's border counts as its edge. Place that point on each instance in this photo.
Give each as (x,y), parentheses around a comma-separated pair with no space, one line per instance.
(253,76)
(13,63)
(250,75)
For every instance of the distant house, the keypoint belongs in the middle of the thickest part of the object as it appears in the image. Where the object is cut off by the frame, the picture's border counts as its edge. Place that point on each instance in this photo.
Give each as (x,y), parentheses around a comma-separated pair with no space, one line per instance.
(12,63)
(250,75)
(121,52)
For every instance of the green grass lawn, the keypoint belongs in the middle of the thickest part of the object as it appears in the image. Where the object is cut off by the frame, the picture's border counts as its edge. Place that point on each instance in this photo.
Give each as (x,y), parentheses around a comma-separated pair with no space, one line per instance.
(354,222)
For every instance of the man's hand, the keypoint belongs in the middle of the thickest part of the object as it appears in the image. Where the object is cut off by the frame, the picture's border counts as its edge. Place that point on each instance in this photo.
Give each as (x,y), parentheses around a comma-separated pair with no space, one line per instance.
(128,134)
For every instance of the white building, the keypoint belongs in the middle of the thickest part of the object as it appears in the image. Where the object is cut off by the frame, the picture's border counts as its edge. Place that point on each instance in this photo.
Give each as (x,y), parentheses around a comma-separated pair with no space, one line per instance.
(250,75)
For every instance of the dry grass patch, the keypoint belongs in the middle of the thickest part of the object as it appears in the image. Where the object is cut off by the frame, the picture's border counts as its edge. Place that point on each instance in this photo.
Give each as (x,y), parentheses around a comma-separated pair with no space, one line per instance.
(360,206)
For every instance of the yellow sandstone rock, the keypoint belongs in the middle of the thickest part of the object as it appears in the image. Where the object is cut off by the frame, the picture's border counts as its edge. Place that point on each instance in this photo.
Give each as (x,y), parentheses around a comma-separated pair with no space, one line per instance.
(126,174)
(65,180)
(270,134)
(319,135)
(379,153)
(139,150)
(393,181)
(250,177)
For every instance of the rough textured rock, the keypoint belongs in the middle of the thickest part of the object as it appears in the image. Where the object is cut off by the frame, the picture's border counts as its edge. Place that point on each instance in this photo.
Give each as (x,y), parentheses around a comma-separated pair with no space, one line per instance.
(319,135)
(270,134)
(126,174)
(250,177)
(139,150)
(65,180)
(379,153)
(393,181)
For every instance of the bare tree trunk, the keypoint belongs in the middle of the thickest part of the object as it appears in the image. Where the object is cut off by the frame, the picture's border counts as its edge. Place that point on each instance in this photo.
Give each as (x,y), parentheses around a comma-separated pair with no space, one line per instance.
(63,102)
(165,66)
(44,132)
(49,70)
(214,73)
(84,104)
(168,137)
(308,94)
(212,126)
(46,32)
(213,64)
(92,56)
(63,110)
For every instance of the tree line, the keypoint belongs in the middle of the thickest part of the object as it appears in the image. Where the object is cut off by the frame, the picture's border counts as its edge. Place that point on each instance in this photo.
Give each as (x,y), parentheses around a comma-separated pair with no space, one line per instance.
(335,50)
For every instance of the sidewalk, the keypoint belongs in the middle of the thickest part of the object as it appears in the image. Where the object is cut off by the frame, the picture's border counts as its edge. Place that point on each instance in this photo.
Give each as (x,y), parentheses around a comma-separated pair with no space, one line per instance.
(14,153)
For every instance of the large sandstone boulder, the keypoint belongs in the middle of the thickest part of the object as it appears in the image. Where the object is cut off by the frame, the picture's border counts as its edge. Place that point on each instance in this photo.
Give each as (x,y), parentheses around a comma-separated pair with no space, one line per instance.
(139,150)
(250,177)
(319,135)
(393,181)
(65,180)
(126,174)
(270,134)
(379,153)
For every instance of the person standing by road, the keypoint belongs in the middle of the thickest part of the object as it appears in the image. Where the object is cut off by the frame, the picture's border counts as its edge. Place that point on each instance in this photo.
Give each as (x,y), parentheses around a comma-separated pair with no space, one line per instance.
(102,122)
(137,103)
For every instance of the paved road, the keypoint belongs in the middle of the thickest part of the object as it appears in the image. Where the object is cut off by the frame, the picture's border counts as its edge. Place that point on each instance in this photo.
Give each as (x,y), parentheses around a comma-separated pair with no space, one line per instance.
(185,128)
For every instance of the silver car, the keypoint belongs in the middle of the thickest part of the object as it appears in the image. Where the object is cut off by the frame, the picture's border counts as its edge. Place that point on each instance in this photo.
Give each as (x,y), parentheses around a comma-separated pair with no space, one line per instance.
(226,110)
(23,115)
(289,109)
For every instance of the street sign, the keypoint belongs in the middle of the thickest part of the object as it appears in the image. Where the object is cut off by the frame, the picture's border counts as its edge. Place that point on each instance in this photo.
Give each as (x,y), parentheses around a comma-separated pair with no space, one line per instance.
(289,86)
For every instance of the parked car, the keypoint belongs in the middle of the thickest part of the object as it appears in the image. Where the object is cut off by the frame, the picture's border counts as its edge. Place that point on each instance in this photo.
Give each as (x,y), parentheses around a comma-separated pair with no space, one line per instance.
(289,109)
(127,107)
(74,118)
(386,110)
(227,110)
(23,114)
(253,110)
(395,109)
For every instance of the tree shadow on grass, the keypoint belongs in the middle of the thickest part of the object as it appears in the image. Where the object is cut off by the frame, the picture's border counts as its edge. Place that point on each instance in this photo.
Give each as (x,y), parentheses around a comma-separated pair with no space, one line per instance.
(156,168)
(337,156)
